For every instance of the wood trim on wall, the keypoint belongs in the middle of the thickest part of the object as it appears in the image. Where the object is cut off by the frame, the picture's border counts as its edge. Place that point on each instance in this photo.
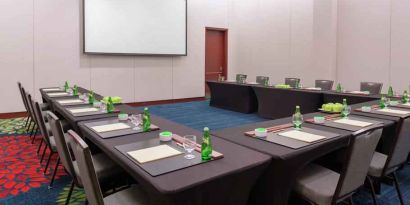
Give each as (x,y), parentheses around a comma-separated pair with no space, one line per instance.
(134,104)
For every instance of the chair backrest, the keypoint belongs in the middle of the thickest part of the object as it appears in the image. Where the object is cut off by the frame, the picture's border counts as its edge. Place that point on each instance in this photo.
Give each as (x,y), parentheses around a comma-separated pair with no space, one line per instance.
(292,82)
(241,78)
(359,157)
(324,84)
(38,113)
(401,147)
(22,95)
(62,145)
(29,105)
(87,171)
(262,79)
(373,88)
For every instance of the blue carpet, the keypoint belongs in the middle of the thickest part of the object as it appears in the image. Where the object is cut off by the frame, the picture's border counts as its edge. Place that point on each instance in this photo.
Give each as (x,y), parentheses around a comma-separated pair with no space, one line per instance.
(198,115)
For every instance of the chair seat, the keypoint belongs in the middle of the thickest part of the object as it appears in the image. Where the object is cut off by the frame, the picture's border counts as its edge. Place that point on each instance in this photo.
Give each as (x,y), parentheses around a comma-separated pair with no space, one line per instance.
(377,164)
(317,184)
(104,167)
(131,196)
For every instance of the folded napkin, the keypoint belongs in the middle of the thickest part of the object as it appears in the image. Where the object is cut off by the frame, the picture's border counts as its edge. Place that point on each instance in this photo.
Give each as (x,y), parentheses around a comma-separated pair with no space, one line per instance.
(180,140)
(277,128)
(115,99)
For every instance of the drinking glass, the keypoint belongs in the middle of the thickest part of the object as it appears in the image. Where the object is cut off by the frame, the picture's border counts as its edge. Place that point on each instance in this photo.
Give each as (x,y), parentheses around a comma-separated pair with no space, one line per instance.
(136,120)
(189,146)
(103,107)
(297,121)
(346,111)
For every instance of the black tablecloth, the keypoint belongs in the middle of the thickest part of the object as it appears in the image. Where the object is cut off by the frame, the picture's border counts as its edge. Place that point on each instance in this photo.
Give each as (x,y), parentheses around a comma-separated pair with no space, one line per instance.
(233,96)
(224,181)
(276,184)
(275,103)
(335,97)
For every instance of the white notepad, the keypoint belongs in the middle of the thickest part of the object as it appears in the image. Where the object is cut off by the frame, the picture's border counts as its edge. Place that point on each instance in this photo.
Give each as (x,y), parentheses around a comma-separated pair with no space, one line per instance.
(80,110)
(359,92)
(406,104)
(302,136)
(353,122)
(57,94)
(400,112)
(110,127)
(52,89)
(70,101)
(313,88)
(153,153)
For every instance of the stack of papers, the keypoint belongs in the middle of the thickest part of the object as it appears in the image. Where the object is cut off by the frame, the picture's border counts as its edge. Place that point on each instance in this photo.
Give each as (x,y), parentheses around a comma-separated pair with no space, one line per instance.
(110,127)
(302,136)
(81,110)
(353,122)
(153,153)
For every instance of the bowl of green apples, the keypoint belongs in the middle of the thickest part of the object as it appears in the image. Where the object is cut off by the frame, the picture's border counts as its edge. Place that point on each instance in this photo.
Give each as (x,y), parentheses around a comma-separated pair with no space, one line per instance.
(332,108)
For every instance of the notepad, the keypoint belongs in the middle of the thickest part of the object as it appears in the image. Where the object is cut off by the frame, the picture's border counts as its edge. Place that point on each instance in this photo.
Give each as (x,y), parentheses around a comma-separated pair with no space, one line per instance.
(110,127)
(406,104)
(359,92)
(81,110)
(153,153)
(313,88)
(52,89)
(57,94)
(302,136)
(70,101)
(253,83)
(353,122)
(400,112)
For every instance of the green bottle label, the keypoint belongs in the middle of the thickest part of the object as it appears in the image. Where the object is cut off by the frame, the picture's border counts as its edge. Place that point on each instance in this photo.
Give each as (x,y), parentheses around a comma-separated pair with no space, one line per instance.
(206,147)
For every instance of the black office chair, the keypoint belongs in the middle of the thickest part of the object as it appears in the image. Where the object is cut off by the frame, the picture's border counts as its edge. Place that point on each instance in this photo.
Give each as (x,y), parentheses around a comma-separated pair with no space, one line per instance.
(324,84)
(372,88)
(241,78)
(262,80)
(292,82)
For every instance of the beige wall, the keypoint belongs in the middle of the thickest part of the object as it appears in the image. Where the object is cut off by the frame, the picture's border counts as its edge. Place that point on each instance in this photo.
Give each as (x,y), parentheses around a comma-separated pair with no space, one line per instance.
(283,38)
(374,43)
(41,46)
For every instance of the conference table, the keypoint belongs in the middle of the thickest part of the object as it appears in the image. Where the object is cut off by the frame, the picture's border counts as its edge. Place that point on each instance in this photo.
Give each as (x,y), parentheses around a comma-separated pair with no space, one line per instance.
(223,181)
(275,103)
(275,186)
(233,96)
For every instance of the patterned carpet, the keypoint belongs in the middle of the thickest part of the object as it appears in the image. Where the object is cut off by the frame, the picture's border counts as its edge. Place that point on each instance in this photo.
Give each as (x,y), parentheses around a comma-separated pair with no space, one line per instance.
(21,175)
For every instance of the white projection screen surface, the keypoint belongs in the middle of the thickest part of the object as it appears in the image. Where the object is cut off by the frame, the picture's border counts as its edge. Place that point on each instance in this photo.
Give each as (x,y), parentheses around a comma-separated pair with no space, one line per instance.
(135,27)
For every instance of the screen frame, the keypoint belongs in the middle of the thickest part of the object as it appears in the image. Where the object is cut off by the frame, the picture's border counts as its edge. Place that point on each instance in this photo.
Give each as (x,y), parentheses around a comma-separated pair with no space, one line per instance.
(138,54)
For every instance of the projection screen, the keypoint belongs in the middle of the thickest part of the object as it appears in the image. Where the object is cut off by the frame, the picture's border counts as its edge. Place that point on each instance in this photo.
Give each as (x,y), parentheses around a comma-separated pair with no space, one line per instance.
(135,27)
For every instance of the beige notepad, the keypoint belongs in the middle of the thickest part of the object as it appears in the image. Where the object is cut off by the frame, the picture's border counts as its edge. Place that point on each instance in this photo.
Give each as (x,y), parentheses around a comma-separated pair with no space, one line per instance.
(153,153)
(406,104)
(51,89)
(80,110)
(57,94)
(110,127)
(353,122)
(313,88)
(302,136)
(70,101)
(400,112)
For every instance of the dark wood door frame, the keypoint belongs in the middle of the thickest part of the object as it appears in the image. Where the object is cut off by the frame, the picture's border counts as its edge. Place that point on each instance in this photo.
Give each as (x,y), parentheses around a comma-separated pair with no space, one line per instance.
(225,30)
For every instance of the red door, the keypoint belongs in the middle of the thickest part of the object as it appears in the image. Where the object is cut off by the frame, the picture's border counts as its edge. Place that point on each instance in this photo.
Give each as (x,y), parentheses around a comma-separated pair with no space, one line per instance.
(215,54)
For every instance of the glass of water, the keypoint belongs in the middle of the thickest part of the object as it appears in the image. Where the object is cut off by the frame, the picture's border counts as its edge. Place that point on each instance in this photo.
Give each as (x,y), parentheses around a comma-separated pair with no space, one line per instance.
(136,120)
(189,146)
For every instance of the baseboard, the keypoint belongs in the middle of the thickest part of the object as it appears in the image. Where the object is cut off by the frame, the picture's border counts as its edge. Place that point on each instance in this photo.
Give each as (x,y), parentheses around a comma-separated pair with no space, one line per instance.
(134,104)
(12,115)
